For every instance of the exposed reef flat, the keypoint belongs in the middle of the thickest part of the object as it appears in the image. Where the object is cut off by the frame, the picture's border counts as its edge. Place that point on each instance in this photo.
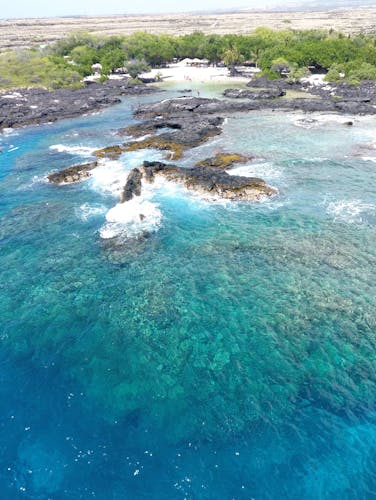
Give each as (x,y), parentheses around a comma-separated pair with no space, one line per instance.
(365,91)
(202,106)
(37,105)
(272,93)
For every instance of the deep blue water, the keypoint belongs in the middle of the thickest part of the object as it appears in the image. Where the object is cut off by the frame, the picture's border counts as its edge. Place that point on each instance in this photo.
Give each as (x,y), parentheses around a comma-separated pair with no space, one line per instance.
(229,355)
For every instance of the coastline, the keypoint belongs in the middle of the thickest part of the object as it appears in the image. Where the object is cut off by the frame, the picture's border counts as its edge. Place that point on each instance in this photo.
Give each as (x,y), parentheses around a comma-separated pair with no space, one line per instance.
(22,107)
(30,106)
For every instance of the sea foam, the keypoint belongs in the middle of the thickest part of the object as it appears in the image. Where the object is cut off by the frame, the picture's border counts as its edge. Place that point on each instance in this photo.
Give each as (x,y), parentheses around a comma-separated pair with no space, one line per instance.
(84,151)
(132,219)
(86,211)
(265,170)
(109,177)
(350,211)
(369,158)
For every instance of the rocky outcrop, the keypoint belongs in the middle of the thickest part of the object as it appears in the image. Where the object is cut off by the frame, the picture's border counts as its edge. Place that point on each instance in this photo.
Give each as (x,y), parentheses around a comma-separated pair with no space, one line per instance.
(180,132)
(262,82)
(182,128)
(133,186)
(179,107)
(75,173)
(210,181)
(36,105)
(254,94)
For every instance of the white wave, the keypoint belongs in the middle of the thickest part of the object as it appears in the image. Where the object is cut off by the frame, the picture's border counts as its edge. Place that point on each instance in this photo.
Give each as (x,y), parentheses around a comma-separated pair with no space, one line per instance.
(141,138)
(14,95)
(87,210)
(9,131)
(306,123)
(136,158)
(131,219)
(369,158)
(109,177)
(319,119)
(35,180)
(265,170)
(351,211)
(84,151)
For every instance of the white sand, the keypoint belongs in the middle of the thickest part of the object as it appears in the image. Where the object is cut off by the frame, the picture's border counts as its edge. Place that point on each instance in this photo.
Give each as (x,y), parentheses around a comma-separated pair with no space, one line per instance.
(181,72)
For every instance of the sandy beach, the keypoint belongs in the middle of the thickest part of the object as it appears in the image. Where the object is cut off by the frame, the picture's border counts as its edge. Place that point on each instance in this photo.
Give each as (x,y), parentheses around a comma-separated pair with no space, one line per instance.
(181,71)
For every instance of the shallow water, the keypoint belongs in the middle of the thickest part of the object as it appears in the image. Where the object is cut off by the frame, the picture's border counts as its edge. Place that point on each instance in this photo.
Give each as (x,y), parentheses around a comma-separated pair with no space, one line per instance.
(231,354)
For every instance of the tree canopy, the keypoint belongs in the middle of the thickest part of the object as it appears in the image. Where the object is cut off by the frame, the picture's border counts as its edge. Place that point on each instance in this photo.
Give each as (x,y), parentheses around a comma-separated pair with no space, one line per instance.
(287,53)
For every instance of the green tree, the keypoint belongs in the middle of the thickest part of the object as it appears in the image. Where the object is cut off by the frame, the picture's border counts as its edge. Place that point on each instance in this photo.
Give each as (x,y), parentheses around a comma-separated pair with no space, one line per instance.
(84,57)
(135,67)
(111,59)
(232,57)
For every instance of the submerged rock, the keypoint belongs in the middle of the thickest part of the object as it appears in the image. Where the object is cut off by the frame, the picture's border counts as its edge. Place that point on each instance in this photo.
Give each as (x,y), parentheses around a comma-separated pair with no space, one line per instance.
(75,173)
(208,180)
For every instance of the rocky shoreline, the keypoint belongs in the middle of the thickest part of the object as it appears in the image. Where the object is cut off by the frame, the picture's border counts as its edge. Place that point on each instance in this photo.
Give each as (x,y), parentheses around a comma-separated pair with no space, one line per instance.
(182,131)
(37,105)
(177,125)
(180,124)
(200,106)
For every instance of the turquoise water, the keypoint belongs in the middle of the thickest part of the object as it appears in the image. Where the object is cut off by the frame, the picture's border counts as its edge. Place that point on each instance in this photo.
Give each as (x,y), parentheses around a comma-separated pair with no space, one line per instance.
(231,354)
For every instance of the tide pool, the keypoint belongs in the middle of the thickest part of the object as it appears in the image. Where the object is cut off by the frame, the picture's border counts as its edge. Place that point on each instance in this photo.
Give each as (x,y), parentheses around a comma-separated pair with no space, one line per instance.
(231,354)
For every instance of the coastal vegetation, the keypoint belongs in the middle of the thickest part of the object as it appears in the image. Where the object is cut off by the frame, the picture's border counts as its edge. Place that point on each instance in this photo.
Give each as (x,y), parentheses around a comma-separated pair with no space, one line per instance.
(284,53)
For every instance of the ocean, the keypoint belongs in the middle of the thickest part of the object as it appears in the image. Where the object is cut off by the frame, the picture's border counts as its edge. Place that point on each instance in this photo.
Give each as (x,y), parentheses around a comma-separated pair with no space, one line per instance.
(213,350)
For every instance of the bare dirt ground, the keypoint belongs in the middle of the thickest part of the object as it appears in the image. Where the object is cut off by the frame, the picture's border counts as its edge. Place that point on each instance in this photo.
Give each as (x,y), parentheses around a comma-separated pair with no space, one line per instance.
(29,32)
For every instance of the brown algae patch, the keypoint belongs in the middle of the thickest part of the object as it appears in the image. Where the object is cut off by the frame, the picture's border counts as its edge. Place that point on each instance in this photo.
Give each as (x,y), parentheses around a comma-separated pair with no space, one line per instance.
(109,152)
(223,160)
(175,149)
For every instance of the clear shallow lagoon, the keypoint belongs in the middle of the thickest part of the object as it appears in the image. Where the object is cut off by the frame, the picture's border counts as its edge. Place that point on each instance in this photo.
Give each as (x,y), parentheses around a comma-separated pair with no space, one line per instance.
(230,355)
